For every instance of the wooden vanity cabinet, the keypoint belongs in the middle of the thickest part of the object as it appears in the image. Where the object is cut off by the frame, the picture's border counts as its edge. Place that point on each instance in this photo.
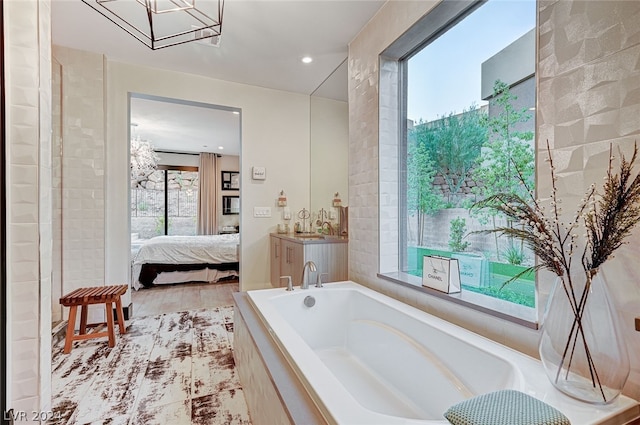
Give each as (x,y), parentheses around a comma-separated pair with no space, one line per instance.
(289,255)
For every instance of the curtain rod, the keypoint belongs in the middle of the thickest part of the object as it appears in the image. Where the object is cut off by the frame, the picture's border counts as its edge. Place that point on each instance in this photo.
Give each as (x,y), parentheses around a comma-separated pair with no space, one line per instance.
(185,153)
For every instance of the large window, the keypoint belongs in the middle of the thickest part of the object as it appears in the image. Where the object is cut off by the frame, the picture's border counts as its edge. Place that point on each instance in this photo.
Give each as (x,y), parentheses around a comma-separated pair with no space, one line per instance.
(469,134)
(165,202)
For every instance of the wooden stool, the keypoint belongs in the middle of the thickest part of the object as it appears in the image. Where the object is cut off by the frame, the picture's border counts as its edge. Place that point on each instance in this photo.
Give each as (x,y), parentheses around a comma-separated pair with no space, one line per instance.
(106,295)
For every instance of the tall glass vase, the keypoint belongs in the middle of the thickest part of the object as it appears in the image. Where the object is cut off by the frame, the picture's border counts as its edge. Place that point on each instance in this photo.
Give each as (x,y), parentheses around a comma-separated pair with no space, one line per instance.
(581,347)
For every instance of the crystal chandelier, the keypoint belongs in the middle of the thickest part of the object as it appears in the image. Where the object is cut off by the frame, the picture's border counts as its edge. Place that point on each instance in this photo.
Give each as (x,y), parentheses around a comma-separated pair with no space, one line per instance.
(144,159)
(163,23)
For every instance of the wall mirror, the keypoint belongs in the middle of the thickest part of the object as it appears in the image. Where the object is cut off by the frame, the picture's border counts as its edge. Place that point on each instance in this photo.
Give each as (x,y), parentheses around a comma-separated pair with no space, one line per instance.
(230,205)
(329,140)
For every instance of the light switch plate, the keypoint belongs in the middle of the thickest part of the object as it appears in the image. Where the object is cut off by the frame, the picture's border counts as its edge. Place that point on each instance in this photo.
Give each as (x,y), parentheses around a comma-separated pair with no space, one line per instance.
(262,212)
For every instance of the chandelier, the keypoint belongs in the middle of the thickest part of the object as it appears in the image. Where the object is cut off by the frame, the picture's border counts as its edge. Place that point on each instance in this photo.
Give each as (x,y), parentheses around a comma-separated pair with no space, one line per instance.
(144,159)
(164,23)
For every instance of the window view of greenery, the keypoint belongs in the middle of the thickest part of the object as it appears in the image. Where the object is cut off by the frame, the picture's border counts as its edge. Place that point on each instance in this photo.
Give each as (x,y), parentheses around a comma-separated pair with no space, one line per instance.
(470,134)
(148,203)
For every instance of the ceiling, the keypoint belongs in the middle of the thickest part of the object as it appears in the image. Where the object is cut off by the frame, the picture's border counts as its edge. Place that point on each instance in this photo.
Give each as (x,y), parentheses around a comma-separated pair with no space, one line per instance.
(262,44)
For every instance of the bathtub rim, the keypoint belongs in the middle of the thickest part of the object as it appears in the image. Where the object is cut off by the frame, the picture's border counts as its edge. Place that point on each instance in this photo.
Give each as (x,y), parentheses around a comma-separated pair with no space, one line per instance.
(619,411)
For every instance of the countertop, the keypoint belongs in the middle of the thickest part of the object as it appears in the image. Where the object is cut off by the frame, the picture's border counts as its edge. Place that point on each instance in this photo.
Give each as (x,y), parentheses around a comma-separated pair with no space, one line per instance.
(311,238)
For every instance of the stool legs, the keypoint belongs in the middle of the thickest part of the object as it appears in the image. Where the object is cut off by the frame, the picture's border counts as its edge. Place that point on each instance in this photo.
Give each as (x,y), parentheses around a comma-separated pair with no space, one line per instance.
(83,319)
(110,327)
(120,314)
(70,329)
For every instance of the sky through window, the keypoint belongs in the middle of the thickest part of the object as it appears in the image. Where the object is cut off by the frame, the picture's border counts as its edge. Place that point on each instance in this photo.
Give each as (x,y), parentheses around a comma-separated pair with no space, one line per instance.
(445,76)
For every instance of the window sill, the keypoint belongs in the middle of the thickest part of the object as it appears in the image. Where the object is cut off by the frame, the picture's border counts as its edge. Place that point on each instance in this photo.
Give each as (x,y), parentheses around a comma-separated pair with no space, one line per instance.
(521,315)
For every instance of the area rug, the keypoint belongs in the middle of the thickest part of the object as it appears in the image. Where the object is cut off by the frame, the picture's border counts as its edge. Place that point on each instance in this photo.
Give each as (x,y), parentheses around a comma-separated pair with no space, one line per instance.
(174,368)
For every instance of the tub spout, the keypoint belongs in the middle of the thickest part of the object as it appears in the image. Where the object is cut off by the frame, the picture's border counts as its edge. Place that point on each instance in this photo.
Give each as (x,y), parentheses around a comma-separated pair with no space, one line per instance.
(304,284)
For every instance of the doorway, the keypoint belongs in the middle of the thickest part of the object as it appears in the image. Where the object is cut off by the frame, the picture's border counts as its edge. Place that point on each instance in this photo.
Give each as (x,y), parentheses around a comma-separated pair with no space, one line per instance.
(165,198)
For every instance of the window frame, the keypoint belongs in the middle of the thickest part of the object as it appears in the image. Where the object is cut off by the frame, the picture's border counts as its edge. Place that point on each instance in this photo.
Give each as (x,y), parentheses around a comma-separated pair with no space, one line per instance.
(393,64)
(167,168)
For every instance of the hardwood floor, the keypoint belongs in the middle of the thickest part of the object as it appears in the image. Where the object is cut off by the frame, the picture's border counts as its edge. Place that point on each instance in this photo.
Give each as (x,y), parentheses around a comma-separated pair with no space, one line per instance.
(183,296)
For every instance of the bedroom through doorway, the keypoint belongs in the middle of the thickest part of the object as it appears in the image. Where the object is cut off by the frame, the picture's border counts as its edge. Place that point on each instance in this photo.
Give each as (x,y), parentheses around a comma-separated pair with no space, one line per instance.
(184,204)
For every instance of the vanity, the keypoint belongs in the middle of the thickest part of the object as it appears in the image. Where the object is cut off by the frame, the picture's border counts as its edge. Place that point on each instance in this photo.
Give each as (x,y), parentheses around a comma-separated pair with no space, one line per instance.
(290,251)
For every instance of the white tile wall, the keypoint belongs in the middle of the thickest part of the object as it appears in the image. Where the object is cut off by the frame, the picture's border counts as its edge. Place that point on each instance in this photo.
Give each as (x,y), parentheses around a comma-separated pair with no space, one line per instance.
(589,85)
(28,109)
(45,204)
(82,171)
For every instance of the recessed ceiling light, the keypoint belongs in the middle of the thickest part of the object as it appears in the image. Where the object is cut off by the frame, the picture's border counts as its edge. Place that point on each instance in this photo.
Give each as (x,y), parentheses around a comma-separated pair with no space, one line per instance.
(221,147)
(307,59)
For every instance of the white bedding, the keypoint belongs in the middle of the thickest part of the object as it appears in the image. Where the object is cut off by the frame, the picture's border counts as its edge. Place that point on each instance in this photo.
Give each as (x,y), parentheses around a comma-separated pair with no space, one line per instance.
(202,249)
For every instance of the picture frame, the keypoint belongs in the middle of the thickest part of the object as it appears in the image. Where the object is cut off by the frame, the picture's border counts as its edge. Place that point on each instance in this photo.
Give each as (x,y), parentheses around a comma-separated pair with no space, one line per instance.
(230,180)
(230,205)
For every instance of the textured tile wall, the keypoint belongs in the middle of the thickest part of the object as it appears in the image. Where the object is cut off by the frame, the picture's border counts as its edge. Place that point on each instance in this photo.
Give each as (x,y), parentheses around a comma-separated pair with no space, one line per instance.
(45,202)
(589,98)
(261,396)
(28,108)
(56,190)
(589,95)
(83,165)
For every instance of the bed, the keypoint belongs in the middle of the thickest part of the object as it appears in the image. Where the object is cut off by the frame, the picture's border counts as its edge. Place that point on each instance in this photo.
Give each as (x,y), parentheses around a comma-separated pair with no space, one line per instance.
(178,259)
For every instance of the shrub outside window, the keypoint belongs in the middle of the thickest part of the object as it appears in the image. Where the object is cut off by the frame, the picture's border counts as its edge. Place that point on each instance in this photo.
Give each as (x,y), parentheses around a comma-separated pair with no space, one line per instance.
(470,123)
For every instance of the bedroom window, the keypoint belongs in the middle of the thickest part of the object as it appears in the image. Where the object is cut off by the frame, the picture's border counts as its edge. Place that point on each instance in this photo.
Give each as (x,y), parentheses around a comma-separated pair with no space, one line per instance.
(467,93)
(165,202)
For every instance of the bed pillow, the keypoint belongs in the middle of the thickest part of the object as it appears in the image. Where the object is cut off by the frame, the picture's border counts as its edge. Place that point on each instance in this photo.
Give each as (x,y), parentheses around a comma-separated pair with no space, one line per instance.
(504,407)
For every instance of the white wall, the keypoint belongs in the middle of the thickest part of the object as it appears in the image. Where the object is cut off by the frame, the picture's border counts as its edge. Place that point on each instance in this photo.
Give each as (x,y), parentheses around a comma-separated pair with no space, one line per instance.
(178,159)
(275,135)
(588,82)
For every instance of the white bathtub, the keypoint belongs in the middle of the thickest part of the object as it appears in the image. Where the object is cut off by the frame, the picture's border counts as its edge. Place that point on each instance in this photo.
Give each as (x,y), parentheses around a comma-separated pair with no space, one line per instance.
(366,358)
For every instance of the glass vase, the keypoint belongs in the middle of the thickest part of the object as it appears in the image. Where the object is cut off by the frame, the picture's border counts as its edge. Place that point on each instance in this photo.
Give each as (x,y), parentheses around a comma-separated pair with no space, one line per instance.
(581,347)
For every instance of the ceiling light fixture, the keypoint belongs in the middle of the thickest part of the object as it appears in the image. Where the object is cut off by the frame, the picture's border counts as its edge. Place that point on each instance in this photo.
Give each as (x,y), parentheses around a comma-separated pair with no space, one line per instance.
(307,59)
(221,147)
(163,23)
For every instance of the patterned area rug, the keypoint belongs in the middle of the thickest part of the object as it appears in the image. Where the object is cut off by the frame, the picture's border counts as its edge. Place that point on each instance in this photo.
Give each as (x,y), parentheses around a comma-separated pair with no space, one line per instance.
(174,368)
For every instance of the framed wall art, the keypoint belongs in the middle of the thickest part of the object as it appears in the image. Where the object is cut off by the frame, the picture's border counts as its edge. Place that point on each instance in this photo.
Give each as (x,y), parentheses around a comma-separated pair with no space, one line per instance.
(230,180)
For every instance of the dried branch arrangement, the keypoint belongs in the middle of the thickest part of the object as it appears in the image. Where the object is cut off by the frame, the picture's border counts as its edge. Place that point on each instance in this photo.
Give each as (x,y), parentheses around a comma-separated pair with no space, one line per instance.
(604,219)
